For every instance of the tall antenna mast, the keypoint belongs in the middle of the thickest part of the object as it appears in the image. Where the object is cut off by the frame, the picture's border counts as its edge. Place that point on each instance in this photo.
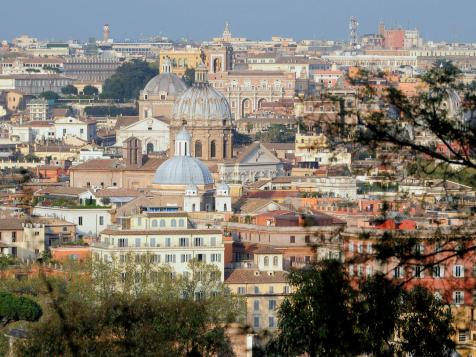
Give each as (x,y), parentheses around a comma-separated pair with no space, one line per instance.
(353,35)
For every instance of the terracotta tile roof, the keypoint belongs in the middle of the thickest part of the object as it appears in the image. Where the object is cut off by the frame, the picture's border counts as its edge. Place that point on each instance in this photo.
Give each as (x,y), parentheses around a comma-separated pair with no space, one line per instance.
(117,192)
(283,179)
(269,194)
(151,164)
(259,183)
(11,224)
(251,205)
(279,146)
(63,191)
(100,164)
(251,276)
(125,121)
(37,123)
(267,250)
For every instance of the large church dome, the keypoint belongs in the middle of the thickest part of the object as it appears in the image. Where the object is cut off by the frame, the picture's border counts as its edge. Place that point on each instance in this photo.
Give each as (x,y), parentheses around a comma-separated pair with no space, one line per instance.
(201,101)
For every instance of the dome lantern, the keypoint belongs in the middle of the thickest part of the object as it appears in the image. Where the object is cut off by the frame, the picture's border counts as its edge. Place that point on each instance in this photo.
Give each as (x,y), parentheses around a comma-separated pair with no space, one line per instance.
(201,74)
(182,143)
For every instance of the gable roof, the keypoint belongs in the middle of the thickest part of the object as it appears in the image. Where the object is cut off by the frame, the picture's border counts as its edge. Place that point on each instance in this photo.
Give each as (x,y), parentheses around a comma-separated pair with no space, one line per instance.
(251,149)
(252,276)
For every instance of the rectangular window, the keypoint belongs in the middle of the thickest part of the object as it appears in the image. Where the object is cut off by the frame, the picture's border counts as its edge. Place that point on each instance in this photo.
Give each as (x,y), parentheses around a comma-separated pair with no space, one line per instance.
(351,269)
(201,257)
(438,271)
(167,242)
(198,242)
(152,242)
(139,221)
(369,270)
(271,290)
(271,322)
(458,271)
(256,305)
(292,239)
(101,220)
(397,272)
(272,304)
(155,258)
(122,242)
(351,247)
(462,335)
(241,290)
(458,297)
(183,242)
(360,270)
(360,248)
(216,258)
(307,239)
(80,221)
(170,258)
(137,242)
(370,248)
(256,322)
(185,258)
(286,289)
(256,289)
(419,271)
(213,241)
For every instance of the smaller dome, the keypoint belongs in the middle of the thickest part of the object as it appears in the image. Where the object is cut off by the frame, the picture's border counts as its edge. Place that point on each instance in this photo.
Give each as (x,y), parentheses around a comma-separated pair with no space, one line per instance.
(183,170)
(169,83)
(183,135)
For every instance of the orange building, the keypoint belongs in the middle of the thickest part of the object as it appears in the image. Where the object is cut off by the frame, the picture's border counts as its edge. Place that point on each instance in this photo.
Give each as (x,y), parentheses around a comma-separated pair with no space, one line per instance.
(76,253)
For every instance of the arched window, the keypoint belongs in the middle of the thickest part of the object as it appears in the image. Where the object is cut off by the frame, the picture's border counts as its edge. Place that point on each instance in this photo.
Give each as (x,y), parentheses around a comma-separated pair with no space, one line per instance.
(198,148)
(193,207)
(181,223)
(213,149)
(162,223)
(154,223)
(225,143)
(275,261)
(173,223)
(225,207)
(266,261)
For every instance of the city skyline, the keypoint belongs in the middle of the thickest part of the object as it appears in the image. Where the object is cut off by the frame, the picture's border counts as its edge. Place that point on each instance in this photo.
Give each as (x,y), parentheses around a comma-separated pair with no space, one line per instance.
(254,20)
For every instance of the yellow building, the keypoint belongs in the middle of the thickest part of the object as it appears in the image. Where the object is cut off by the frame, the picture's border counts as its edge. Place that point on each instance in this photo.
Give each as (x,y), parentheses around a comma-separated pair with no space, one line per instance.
(465,328)
(182,59)
(263,285)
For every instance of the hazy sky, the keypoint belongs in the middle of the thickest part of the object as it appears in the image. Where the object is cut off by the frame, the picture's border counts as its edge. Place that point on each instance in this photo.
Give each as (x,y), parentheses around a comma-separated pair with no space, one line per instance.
(451,20)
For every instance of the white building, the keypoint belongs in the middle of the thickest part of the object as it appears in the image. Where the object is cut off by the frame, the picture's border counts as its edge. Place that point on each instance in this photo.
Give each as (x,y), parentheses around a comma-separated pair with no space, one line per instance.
(80,128)
(89,221)
(39,109)
(166,237)
(152,132)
